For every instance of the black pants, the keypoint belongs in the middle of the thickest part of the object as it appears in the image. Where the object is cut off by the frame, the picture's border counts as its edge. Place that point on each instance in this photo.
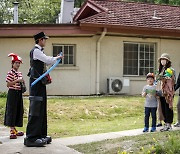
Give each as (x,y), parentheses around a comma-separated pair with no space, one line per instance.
(37,123)
(148,111)
(167,112)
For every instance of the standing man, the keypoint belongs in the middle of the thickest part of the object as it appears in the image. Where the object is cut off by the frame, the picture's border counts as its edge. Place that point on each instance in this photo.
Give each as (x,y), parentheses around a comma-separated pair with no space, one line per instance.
(36,131)
(178,104)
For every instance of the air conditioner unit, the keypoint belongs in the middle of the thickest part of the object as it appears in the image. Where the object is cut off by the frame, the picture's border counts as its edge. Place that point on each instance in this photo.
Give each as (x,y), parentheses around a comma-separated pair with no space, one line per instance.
(117,85)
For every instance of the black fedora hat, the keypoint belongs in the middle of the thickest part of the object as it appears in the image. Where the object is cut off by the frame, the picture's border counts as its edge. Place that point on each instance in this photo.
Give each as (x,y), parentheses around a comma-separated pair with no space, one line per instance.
(40,35)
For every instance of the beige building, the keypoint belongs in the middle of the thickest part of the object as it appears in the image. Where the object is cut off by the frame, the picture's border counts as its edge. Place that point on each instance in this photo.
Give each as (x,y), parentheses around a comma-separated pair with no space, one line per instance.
(102,45)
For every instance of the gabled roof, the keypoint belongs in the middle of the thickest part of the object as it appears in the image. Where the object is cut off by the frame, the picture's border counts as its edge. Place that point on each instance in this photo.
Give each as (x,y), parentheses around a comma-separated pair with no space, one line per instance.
(129,14)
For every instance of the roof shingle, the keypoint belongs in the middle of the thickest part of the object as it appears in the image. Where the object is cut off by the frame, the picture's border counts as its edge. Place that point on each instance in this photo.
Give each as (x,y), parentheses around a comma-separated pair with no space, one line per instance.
(135,14)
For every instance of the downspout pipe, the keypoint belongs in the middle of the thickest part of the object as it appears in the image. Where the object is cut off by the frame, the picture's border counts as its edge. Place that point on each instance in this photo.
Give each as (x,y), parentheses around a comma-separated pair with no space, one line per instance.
(98,59)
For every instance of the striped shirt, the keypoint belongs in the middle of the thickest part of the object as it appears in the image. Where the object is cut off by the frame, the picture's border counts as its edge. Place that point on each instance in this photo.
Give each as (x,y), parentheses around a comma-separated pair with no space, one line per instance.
(12,76)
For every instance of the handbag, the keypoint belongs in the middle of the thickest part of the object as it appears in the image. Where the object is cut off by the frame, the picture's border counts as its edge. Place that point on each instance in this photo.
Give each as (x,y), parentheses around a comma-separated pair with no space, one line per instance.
(46,80)
(23,87)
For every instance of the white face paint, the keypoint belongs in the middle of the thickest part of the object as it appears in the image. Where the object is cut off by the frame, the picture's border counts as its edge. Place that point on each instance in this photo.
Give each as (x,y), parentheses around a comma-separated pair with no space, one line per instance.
(163,62)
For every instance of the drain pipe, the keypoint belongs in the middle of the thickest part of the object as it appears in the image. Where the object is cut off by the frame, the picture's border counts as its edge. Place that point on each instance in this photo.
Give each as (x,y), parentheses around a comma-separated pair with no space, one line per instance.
(98,58)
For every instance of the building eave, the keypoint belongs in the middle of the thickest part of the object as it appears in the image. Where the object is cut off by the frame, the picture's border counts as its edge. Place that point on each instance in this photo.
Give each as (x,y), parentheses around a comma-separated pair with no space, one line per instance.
(84,29)
(130,30)
(91,5)
(55,30)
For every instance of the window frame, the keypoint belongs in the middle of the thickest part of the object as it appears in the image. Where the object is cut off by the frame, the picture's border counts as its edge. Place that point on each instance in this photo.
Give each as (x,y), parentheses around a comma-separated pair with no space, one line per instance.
(74,54)
(139,43)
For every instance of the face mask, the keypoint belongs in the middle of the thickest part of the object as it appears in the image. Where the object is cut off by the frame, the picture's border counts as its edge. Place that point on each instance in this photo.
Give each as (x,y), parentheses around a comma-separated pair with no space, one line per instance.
(163,62)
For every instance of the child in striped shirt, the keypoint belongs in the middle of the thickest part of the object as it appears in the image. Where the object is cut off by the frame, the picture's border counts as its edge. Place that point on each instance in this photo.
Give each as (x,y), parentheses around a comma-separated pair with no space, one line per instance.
(14,104)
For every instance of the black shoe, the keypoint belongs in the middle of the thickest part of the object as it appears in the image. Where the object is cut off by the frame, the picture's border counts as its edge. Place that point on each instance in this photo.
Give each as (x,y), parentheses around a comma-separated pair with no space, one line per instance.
(48,139)
(36,143)
(159,125)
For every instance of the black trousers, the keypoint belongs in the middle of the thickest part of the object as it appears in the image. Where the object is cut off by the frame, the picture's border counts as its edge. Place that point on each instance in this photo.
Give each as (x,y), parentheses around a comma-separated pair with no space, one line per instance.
(167,112)
(37,120)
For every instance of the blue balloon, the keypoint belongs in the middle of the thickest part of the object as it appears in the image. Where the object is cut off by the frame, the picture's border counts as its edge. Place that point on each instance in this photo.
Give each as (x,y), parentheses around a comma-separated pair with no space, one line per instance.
(47,72)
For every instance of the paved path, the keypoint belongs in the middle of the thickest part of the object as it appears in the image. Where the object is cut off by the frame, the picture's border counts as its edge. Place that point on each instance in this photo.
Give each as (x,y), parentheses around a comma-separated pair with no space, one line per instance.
(16,146)
(58,146)
(100,137)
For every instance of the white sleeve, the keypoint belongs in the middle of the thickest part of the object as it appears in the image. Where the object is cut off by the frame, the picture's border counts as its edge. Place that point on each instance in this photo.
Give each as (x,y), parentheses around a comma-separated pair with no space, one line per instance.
(39,55)
(144,89)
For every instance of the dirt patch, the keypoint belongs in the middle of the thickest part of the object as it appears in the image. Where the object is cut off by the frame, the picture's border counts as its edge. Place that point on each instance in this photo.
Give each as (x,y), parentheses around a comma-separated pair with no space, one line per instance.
(123,146)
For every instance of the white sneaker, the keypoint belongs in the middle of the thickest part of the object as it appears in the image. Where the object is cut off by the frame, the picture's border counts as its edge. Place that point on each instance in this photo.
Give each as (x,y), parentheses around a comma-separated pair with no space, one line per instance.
(167,127)
(177,124)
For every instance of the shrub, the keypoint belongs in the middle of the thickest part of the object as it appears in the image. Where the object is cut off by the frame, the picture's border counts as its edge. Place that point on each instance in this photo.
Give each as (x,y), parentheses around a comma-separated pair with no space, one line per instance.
(171,146)
(3,94)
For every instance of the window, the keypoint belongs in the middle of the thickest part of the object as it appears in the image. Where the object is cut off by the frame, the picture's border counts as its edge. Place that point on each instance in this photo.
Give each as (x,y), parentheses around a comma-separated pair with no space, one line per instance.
(69,54)
(139,58)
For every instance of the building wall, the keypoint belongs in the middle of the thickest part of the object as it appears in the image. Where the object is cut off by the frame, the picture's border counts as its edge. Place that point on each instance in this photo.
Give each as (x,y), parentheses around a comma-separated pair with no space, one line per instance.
(112,59)
(78,80)
(81,79)
(20,46)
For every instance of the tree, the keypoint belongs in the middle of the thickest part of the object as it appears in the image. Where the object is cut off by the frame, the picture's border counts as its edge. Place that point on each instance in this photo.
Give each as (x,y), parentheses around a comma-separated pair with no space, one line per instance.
(39,11)
(169,2)
(79,3)
(46,11)
(35,11)
(6,11)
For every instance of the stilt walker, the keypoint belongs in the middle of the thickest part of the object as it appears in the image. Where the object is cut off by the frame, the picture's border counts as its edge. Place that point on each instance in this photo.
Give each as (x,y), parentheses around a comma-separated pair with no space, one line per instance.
(36,132)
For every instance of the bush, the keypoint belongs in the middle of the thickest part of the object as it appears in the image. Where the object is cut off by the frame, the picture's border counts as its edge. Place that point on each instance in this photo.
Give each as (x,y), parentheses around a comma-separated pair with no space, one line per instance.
(171,146)
(3,94)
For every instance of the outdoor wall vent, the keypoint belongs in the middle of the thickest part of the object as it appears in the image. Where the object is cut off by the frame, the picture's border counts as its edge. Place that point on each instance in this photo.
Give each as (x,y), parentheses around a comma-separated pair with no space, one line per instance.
(155,15)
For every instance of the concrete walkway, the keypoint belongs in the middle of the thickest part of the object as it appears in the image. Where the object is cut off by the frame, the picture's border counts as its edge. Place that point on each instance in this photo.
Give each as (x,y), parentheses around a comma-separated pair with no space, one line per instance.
(16,146)
(58,146)
(100,137)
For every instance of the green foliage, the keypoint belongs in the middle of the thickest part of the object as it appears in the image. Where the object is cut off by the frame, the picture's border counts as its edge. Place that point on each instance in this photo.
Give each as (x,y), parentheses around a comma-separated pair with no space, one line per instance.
(39,11)
(79,3)
(171,146)
(35,11)
(149,143)
(46,11)
(3,94)
(89,115)
(6,13)
(2,109)
(169,2)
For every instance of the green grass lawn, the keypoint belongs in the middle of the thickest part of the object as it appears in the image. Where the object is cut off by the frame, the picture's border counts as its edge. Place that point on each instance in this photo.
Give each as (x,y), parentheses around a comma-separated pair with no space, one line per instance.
(148,143)
(72,116)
